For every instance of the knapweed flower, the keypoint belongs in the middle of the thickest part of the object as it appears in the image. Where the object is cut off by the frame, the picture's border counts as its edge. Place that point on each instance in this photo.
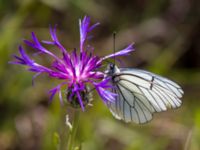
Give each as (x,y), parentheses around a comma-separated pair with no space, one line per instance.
(78,69)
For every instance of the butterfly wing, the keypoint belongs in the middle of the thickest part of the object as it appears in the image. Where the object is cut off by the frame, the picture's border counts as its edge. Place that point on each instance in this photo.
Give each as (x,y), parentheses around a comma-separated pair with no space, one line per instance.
(141,93)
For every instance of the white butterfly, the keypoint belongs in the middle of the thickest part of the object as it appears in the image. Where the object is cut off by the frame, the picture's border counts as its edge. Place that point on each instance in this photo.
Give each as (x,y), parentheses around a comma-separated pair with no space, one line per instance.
(141,93)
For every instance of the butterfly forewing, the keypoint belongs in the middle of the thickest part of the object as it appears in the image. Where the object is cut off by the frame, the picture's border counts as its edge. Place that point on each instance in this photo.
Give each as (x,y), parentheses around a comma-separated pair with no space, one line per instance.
(141,93)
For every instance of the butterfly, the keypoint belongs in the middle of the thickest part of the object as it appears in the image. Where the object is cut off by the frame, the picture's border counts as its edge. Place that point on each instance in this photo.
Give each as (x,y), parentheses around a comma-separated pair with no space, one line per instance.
(140,94)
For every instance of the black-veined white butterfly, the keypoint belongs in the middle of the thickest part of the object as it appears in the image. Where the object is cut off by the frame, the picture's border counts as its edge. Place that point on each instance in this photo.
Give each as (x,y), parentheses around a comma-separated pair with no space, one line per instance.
(141,93)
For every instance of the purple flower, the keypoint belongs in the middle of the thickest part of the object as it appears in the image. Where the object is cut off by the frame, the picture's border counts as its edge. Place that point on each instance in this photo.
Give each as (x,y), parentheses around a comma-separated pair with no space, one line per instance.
(77,69)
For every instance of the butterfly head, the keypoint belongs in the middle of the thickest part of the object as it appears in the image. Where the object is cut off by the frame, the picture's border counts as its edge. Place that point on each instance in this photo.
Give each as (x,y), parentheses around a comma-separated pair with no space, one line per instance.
(111,69)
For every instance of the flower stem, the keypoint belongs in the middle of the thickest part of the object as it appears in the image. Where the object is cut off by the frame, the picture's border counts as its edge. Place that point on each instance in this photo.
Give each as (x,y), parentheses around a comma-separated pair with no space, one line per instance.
(73,131)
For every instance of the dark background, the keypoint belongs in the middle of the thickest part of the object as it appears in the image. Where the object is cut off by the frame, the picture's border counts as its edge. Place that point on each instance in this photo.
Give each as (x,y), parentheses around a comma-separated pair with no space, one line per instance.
(167,40)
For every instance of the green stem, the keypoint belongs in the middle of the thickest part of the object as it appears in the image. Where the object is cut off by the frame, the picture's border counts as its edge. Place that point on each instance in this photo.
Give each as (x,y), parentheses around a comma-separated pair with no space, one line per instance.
(72,134)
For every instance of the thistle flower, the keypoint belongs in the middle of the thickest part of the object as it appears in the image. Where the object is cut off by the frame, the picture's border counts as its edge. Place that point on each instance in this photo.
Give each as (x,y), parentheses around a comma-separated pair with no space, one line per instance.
(78,69)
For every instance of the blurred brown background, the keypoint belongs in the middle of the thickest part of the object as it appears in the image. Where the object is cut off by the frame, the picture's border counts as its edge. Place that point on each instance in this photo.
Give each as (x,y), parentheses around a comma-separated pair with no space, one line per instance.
(167,41)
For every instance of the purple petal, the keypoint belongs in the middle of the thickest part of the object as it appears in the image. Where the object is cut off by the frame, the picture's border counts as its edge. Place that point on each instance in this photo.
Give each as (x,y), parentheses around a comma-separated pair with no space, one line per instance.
(18,61)
(80,101)
(125,51)
(103,90)
(25,57)
(48,42)
(35,39)
(35,44)
(31,44)
(60,97)
(55,90)
(33,78)
(37,53)
(84,26)
(94,26)
(53,33)
(55,39)
(106,95)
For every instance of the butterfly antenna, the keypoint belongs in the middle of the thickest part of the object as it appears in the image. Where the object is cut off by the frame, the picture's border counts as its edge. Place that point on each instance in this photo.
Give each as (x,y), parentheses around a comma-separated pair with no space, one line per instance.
(114,36)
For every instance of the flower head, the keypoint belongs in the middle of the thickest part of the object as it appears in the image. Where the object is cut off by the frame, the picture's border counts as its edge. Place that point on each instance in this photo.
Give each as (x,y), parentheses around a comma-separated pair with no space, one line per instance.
(77,69)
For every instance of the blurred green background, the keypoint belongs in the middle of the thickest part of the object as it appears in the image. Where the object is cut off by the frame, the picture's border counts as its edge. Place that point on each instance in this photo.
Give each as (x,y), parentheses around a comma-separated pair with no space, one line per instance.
(167,38)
